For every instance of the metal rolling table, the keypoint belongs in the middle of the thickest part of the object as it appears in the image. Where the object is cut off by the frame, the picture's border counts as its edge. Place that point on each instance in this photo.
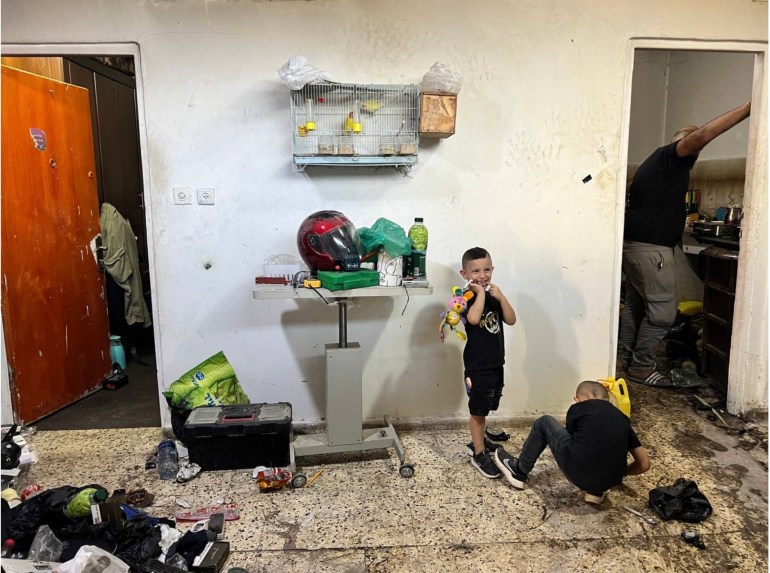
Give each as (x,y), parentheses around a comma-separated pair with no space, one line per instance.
(344,375)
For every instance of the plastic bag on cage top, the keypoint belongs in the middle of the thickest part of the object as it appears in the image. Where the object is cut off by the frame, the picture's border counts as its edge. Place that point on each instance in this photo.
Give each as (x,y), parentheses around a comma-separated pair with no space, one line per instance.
(440,78)
(297,72)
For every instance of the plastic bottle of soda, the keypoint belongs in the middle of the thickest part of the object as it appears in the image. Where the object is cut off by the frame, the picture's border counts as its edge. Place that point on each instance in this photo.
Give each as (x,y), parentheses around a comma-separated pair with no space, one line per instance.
(97,498)
(418,235)
(168,460)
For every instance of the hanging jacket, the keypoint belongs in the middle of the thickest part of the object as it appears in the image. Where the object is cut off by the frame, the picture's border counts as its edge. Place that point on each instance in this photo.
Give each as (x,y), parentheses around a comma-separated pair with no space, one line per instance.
(121,260)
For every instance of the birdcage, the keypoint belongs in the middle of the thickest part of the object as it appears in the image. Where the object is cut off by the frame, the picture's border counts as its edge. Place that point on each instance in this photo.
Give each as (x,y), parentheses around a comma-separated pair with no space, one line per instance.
(349,124)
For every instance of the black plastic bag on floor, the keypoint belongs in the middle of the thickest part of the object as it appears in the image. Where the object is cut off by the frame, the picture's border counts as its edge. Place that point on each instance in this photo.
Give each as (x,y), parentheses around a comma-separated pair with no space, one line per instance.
(139,540)
(682,501)
(46,508)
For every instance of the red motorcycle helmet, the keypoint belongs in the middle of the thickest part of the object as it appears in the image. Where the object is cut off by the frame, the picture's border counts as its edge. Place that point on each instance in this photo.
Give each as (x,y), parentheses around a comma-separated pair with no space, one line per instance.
(328,241)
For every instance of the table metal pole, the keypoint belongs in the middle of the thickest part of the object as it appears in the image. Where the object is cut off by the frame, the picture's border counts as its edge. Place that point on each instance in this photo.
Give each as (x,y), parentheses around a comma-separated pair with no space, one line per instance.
(343,306)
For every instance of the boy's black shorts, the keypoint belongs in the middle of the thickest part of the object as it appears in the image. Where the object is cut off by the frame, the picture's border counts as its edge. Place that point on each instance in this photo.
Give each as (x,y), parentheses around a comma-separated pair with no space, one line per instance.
(486,390)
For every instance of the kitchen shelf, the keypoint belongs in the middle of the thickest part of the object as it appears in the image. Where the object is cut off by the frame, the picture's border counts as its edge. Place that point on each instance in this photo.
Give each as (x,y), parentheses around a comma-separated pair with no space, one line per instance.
(718,306)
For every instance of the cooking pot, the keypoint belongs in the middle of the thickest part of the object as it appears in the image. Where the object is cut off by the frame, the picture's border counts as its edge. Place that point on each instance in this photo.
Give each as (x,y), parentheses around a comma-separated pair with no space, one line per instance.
(733,215)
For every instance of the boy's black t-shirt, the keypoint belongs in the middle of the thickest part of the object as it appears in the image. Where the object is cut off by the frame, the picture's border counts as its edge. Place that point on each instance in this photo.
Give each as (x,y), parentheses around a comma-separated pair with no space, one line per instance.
(601,439)
(656,208)
(485,347)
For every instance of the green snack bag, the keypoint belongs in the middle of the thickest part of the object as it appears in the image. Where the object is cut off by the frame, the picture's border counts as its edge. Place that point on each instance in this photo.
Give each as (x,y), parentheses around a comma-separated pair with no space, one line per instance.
(210,383)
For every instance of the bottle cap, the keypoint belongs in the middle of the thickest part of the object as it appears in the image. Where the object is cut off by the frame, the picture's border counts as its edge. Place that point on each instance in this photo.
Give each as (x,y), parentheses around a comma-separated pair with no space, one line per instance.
(418,219)
(100,495)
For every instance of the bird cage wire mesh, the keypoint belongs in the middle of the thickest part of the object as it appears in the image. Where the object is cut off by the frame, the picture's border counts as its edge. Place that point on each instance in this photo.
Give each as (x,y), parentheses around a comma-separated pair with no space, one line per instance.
(339,124)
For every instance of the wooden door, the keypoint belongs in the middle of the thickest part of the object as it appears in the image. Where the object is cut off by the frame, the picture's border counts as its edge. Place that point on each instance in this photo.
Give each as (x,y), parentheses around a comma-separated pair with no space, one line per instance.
(53,294)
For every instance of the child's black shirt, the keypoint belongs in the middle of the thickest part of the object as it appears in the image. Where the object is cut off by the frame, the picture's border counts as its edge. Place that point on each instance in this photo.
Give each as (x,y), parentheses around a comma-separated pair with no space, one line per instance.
(601,439)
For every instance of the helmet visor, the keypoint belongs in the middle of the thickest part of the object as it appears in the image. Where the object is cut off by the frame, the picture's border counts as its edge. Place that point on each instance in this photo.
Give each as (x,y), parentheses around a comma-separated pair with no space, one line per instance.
(342,243)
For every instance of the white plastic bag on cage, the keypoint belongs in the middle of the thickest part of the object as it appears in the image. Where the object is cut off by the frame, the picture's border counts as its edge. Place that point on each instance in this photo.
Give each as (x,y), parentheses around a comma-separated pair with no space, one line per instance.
(297,72)
(92,558)
(440,78)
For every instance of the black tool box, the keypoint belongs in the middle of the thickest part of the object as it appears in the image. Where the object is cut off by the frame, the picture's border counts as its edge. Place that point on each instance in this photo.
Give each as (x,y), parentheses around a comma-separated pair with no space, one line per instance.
(237,437)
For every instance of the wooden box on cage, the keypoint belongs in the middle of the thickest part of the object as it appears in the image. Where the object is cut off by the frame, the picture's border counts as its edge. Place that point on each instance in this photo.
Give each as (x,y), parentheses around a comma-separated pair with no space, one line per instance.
(438,114)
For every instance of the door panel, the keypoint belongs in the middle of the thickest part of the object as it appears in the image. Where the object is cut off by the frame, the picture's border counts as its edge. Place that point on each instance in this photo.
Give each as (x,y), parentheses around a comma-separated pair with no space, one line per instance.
(119,150)
(53,295)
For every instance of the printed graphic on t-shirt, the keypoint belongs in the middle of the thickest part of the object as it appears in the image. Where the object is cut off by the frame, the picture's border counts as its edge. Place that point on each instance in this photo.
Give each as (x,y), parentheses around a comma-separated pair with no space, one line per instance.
(491,322)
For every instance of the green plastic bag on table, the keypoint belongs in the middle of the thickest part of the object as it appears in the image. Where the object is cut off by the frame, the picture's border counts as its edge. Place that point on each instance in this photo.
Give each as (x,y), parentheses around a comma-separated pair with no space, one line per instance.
(387,234)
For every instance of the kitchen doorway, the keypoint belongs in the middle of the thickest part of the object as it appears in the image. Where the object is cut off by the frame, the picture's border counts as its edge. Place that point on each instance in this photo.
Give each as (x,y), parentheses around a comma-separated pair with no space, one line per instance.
(731,171)
(115,91)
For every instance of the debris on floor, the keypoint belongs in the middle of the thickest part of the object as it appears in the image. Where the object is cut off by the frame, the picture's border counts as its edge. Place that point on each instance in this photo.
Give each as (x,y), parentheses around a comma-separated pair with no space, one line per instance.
(694,539)
(682,501)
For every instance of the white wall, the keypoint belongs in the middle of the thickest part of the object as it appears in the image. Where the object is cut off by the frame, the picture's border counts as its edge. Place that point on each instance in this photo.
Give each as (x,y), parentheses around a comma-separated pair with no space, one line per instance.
(540,109)
(704,85)
(676,88)
(648,103)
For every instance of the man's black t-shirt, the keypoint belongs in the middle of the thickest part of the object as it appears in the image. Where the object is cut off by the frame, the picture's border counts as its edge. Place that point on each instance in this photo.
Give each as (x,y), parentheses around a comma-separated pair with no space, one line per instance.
(656,209)
(601,439)
(486,344)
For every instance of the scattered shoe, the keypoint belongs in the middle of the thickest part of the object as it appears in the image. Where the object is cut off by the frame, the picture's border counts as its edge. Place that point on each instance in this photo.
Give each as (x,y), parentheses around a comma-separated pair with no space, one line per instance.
(650,377)
(496,434)
(488,447)
(485,465)
(509,466)
(596,499)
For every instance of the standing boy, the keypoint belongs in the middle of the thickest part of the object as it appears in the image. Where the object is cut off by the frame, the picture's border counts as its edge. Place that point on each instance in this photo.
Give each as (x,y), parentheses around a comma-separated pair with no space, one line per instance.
(484,353)
(592,451)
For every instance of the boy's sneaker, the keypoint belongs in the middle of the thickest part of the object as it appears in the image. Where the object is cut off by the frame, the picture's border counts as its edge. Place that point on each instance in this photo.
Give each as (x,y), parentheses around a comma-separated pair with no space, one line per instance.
(596,499)
(509,466)
(485,465)
(488,446)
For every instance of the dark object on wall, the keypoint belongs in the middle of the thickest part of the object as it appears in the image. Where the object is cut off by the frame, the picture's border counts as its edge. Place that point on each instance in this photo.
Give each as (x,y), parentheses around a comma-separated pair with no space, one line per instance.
(682,501)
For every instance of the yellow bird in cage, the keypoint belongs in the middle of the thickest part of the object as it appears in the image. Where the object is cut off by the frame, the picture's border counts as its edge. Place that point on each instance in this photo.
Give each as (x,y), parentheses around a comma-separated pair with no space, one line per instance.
(348,125)
(370,106)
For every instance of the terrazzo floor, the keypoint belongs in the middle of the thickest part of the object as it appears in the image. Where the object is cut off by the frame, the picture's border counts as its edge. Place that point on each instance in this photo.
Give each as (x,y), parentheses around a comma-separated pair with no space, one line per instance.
(361,516)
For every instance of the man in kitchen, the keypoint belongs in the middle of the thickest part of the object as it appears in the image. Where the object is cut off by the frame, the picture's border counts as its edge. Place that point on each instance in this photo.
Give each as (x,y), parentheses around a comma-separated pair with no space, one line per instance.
(655,218)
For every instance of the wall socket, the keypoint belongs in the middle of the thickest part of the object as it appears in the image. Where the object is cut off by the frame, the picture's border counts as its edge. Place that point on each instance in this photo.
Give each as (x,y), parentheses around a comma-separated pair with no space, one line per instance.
(182,196)
(205,196)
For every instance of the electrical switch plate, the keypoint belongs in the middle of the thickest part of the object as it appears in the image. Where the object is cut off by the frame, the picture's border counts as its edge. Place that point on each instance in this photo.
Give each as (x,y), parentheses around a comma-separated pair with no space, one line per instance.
(182,196)
(205,196)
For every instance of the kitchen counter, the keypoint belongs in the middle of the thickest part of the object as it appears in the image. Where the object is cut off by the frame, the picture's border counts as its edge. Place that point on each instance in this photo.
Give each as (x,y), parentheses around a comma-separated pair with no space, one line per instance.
(724,242)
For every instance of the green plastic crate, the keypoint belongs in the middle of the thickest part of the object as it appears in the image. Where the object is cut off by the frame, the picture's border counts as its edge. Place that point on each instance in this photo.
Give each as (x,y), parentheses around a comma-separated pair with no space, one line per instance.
(334,280)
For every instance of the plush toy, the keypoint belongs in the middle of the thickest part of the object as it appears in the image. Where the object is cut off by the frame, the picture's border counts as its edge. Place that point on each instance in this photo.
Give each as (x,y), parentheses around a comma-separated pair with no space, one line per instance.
(453,316)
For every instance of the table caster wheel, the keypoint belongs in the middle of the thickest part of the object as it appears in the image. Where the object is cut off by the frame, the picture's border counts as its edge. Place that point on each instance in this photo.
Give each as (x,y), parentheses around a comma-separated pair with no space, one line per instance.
(406,470)
(298,481)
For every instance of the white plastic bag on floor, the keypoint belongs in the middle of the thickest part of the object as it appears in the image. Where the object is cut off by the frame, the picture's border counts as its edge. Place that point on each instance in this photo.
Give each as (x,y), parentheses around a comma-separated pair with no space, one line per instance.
(92,559)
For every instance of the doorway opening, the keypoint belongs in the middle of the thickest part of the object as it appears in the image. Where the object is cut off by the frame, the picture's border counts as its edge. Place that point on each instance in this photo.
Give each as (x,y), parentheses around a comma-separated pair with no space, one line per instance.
(121,174)
(676,83)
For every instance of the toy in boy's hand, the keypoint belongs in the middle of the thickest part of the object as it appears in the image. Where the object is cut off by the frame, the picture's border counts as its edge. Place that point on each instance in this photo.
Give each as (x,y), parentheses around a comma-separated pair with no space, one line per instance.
(451,317)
